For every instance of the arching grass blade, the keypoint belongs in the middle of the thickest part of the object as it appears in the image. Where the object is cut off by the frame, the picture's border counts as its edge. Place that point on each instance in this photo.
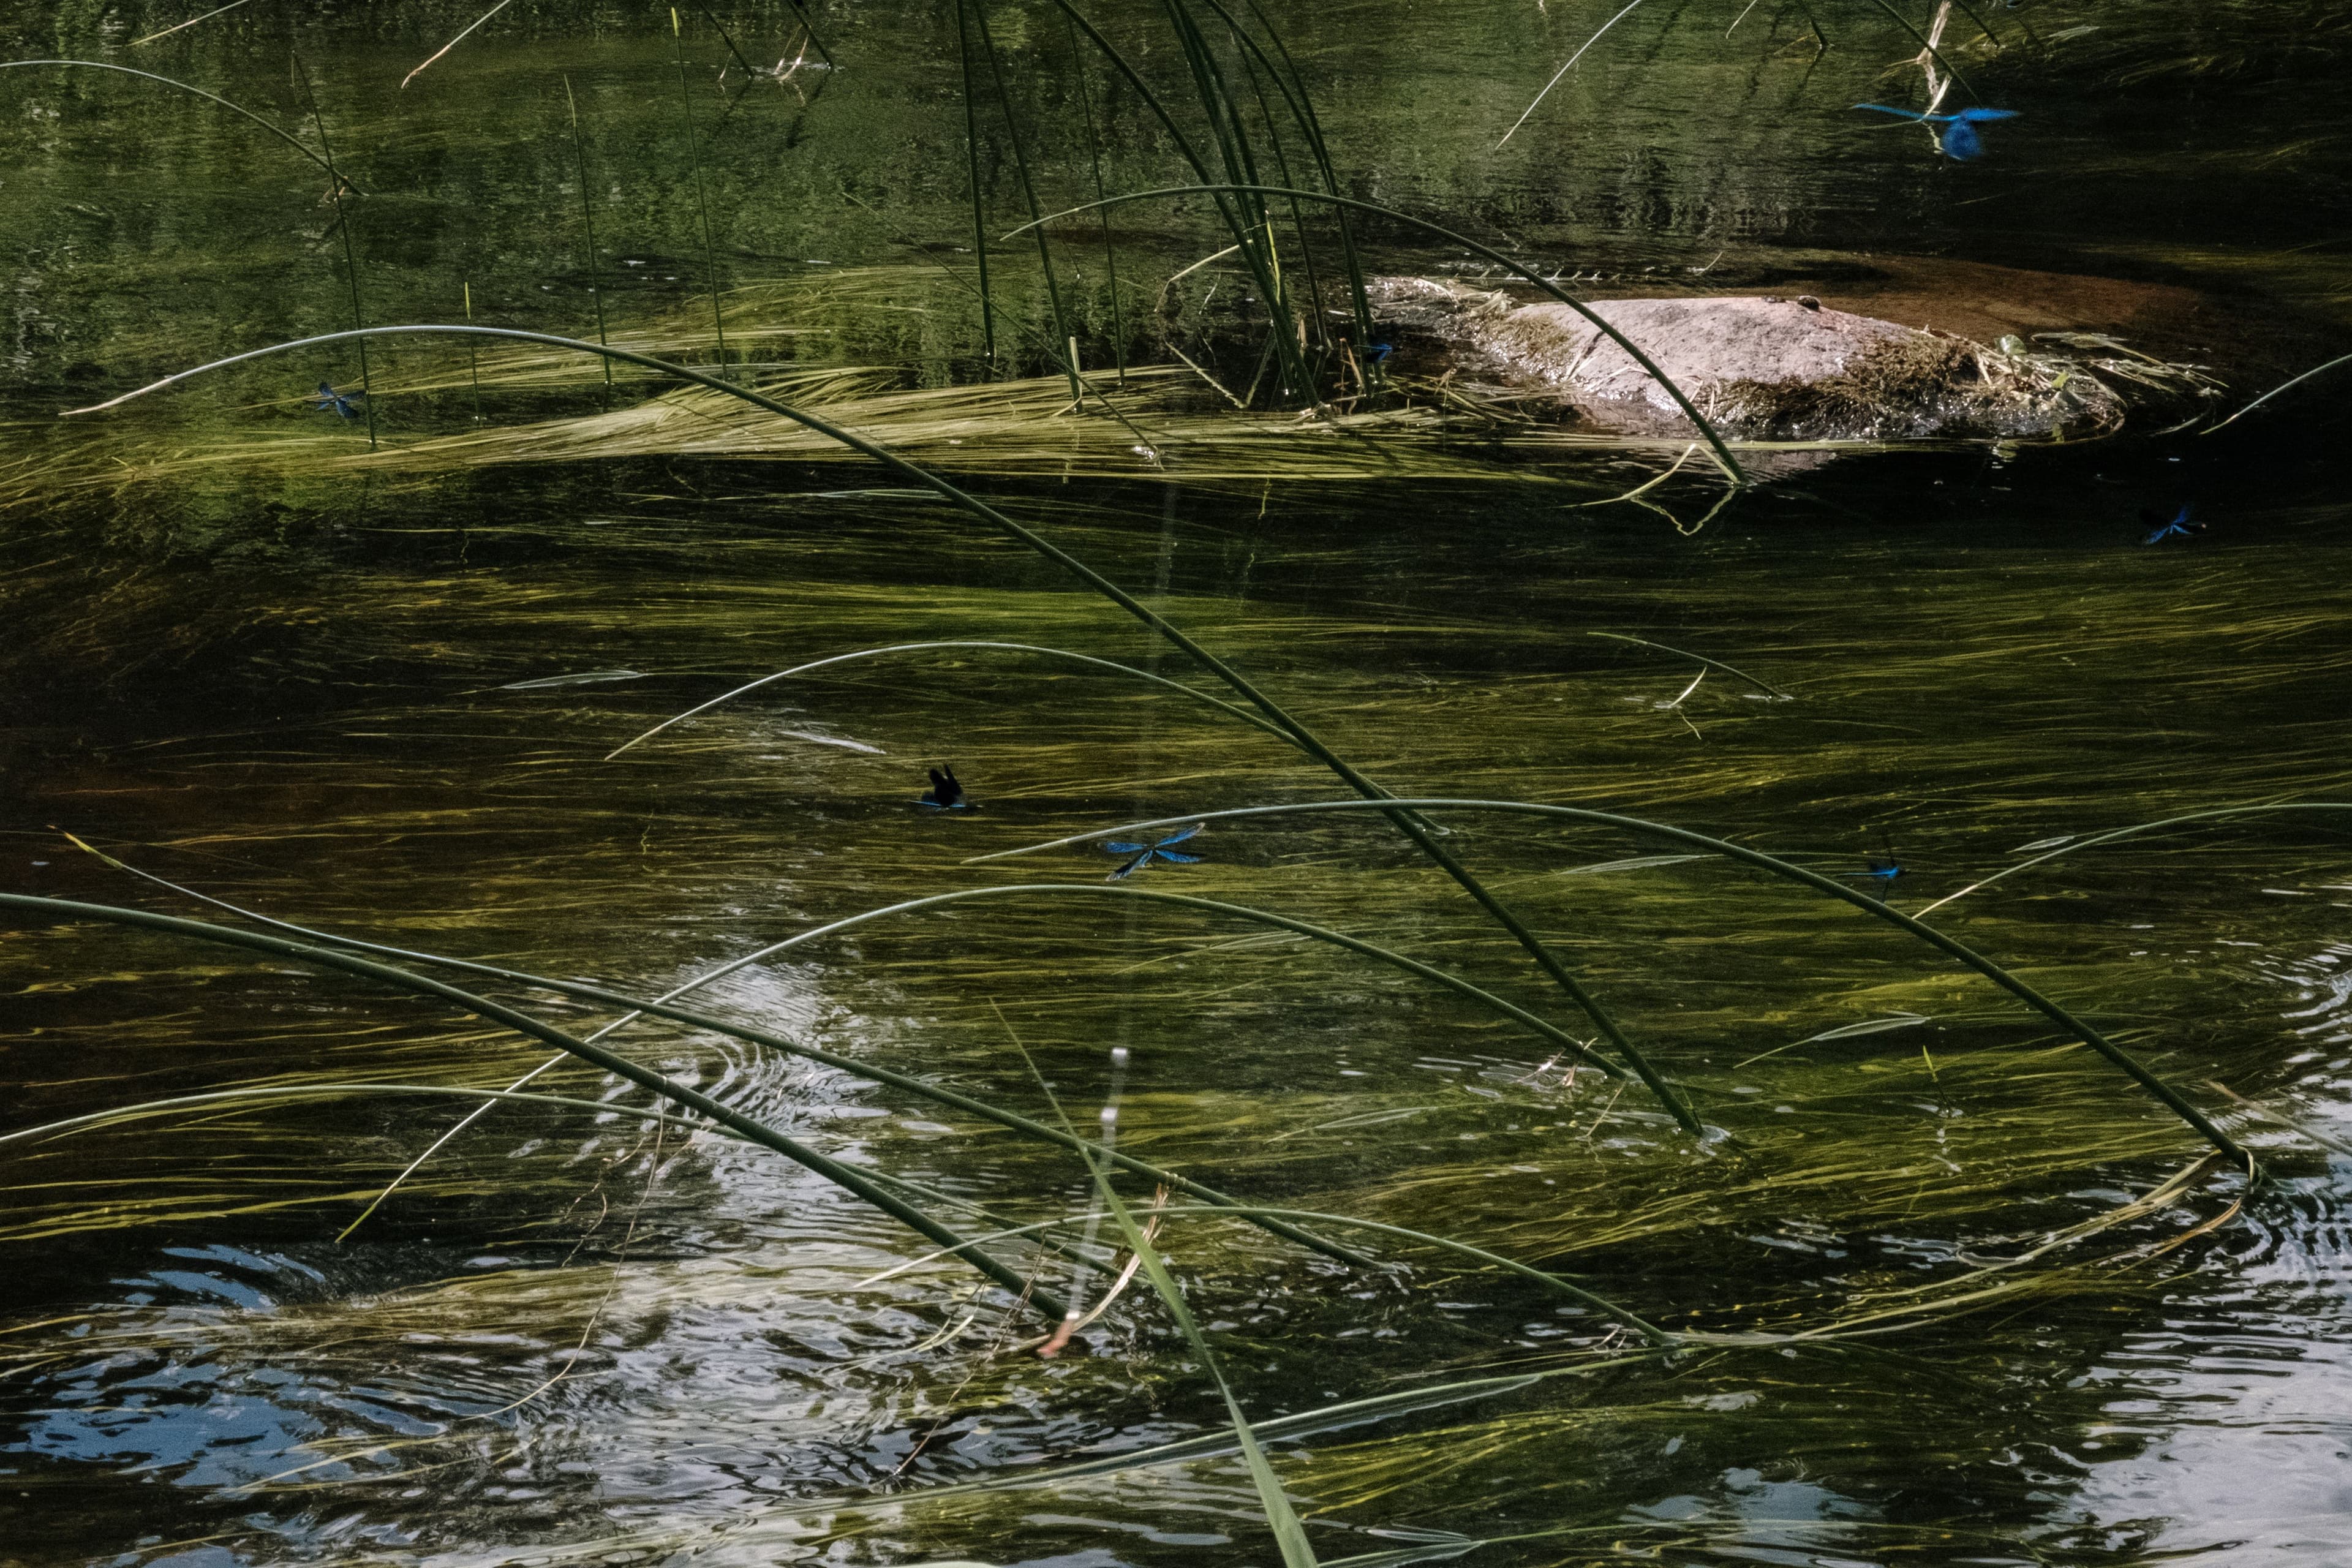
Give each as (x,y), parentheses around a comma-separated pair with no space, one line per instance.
(852,1181)
(283,135)
(1999,975)
(662,1008)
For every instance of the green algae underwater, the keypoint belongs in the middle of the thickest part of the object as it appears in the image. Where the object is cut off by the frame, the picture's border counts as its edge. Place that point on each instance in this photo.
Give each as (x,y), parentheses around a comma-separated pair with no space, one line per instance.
(464,1112)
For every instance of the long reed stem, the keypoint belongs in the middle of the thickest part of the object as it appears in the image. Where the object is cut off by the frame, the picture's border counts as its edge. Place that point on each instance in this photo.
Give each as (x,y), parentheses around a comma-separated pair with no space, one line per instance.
(190,22)
(588,223)
(453,43)
(701,197)
(1230,131)
(472,359)
(1062,333)
(1563,70)
(1243,714)
(664,1006)
(351,255)
(1290,1534)
(1566,1044)
(1302,106)
(663,1009)
(972,170)
(1094,152)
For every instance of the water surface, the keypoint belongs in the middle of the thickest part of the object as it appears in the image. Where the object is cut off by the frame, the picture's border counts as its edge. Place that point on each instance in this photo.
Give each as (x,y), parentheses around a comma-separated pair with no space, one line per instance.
(304,686)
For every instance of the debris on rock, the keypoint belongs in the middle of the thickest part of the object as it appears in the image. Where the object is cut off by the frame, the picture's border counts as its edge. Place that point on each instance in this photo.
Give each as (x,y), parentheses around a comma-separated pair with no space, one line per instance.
(1760,367)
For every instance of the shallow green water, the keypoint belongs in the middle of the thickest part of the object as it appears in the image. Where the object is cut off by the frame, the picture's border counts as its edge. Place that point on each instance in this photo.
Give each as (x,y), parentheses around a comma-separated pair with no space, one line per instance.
(293,685)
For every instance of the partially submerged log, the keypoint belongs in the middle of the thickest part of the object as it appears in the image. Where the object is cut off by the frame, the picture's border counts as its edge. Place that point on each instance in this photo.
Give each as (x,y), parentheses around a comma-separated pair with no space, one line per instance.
(1760,367)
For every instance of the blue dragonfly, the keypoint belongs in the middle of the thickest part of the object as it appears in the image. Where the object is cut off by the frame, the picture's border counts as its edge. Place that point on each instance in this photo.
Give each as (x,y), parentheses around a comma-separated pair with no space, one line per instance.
(945,793)
(1142,854)
(2161,531)
(1955,134)
(1882,869)
(339,404)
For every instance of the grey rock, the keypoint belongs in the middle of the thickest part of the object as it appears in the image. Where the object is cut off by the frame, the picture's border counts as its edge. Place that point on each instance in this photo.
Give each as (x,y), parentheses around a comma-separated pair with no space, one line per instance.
(1761,368)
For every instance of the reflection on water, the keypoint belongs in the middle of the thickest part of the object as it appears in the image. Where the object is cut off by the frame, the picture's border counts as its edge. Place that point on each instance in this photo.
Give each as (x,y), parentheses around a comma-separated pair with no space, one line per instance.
(580,1331)
(381,706)
(2231,1411)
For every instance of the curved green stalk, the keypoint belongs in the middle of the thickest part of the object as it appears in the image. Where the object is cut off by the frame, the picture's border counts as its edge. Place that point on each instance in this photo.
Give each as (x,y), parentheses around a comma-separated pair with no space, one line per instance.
(1231,134)
(1690,410)
(285,136)
(1568,1287)
(176,26)
(841,1175)
(1779,867)
(92,1121)
(1238,911)
(588,220)
(2281,387)
(1405,822)
(1243,714)
(662,1007)
(2134,831)
(1290,1534)
(1563,70)
(1255,66)
(100,1120)
(1305,1423)
(1321,933)
(453,43)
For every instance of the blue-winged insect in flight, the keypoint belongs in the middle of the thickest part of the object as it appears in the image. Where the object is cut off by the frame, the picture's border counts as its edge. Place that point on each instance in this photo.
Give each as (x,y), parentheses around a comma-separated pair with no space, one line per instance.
(339,404)
(2160,530)
(1142,854)
(1955,134)
(1884,868)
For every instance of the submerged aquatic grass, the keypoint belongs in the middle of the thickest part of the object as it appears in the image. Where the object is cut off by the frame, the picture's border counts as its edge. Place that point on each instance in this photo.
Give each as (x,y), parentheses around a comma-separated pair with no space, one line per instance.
(732,1119)
(1307,738)
(1646,829)
(1403,1216)
(324,162)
